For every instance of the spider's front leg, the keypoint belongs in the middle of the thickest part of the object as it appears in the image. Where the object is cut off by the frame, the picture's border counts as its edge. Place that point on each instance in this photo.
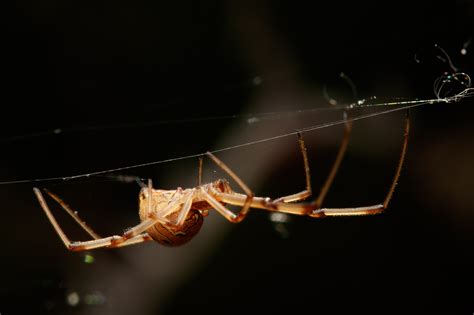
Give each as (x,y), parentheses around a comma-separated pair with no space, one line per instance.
(248,200)
(280,204)
(312,209)
(218,206)
(378,208)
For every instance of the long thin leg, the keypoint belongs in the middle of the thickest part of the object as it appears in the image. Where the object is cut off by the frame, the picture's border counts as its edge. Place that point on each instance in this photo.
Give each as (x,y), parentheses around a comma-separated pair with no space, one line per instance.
(152,219)
(188,202)
(297,196)
(226,213)
(307,192)
(150,194)
(293,197)
(72,213)
(235,198)
(62,235)
(257,202)
(380,207)
(335,167)
(200,172)
(312,209)
(111,241)
(332,174)
(248,200)
(132,241)
(401,160)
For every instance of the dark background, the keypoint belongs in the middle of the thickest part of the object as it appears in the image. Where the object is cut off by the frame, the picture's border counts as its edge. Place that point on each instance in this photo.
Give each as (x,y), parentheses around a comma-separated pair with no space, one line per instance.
(113,77)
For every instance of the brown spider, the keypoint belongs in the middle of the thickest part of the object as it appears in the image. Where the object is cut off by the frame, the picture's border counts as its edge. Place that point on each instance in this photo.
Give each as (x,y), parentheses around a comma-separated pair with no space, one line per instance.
(173,217)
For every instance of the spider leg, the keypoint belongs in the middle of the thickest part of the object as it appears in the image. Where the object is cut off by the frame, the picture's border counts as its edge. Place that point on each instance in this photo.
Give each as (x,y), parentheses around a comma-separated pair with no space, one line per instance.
(307,192)
(188,201)
(335,167)
(312,209)
(378,208)
(51,218)
(153,218)
(144,237)
(266,203)
(226,213)
(111,241)
(71,212)
(160,216)
(200,172)
(237,199)
(249,194)
(332,174)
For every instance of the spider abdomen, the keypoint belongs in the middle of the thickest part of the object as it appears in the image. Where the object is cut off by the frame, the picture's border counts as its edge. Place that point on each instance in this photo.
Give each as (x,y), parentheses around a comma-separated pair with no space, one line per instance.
(169,235)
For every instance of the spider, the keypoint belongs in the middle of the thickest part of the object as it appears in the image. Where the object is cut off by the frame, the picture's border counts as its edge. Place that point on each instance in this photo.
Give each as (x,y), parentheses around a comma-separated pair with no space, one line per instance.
(173,217)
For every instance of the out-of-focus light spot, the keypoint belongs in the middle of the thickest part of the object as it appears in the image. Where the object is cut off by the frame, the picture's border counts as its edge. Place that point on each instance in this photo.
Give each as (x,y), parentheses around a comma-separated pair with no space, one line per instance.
(464,47)
(282,230)
(73,299)
(417,60)
(257,80)
(95,298)
(279,217)
(88,259)
(253,120)
(49,305)
(279,223)
(57,131)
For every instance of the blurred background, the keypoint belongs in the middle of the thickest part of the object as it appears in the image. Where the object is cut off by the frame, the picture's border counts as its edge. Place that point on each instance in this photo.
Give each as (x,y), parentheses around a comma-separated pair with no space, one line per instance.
(99,85)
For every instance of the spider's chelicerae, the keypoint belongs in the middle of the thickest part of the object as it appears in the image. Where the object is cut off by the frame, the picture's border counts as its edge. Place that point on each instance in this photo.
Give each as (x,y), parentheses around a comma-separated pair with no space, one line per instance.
(173,217)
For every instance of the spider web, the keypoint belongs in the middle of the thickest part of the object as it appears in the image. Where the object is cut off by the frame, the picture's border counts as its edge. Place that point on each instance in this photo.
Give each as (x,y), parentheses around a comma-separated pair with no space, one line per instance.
(441,84)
